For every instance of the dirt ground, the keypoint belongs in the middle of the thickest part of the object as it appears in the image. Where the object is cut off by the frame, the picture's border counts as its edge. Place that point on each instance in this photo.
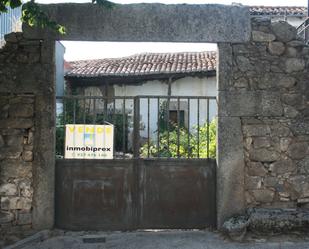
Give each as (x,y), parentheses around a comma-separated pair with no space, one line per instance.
(158,239)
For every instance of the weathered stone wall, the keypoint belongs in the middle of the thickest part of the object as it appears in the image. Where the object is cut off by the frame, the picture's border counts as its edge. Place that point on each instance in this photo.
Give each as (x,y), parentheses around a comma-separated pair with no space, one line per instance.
(269,92)
(16,155)
(26,136)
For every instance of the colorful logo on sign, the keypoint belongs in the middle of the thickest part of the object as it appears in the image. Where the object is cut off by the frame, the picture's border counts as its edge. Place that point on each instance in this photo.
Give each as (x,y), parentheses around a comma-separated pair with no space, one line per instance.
(89,138)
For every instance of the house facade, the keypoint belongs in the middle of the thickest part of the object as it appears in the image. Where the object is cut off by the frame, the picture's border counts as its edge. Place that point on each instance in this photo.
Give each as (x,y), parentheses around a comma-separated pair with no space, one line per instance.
(151,74)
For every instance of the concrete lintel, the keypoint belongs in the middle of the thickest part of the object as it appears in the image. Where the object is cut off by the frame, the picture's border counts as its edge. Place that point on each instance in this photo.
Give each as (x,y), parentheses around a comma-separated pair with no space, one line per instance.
(148,23)
(230,169)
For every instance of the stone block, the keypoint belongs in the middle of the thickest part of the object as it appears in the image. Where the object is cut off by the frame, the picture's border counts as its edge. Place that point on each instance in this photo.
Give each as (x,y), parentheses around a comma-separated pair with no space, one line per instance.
(300,184)
(236,227)
(27,156)
(263,195)
(6,217)
(15,169)
(291,52)
(271,181)
(263,155)
(270,220)
(282,167)
(271,104)
(22,100)
(259,36)
(283,31)
(250,103)
(10,153)
(16,123)
(8,189)
(21,110)
(296,43)
(290,112)
(256,130)
(293,99)
(300,126)
(11,37)
(303,165)
(15,203)
(298,150)
(286,81)
(294,65)
(25,188)
(256,169)
(231,167)
(280,130)
(253,182)
(276,48)
(261,142)
(14,141)
(284,144)
(24,218)
(148,22)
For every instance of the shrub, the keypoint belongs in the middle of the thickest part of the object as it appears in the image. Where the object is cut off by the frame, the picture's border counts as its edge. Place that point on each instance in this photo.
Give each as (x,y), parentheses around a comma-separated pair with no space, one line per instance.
(191,144)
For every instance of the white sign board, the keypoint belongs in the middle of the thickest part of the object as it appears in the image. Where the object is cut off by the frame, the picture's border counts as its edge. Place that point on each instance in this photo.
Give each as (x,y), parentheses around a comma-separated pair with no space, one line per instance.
(89,141)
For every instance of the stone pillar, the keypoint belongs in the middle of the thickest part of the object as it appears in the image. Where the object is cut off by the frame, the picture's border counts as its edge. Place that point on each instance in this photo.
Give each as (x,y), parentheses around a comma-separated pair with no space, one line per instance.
(27,135)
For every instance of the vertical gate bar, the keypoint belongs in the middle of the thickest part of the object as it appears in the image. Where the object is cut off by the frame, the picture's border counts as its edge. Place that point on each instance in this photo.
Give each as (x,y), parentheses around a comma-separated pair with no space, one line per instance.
(136,125)
(114,123)
(148,126)
(178,126)
(168,125)
(64,122)
(74,111)
(158,126)
(84,113)
(64,111)
(208,138)
(189,150)
(198,127)
(104,109)
(123,126)
(94,111)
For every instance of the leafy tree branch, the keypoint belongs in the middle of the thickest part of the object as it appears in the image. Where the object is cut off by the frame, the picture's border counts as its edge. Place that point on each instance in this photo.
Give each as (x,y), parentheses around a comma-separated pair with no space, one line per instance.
(34,16)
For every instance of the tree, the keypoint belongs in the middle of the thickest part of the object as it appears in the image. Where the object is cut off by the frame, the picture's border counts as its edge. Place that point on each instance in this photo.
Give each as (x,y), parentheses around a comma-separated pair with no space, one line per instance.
(33,15)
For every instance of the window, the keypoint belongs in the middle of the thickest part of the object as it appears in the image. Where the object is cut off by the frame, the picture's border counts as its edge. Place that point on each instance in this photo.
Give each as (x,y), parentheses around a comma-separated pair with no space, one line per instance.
(174,119)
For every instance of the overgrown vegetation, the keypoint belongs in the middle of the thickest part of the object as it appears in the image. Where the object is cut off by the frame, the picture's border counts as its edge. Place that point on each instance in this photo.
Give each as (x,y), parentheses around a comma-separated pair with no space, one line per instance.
(33,15)
(192,144)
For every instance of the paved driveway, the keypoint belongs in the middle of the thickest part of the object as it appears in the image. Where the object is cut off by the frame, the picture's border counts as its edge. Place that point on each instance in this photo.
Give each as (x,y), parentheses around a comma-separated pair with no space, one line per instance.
(161,240)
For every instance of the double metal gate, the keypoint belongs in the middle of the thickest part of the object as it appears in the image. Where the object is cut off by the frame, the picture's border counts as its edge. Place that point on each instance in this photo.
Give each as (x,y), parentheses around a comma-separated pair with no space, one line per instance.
(152,189)
(135,194)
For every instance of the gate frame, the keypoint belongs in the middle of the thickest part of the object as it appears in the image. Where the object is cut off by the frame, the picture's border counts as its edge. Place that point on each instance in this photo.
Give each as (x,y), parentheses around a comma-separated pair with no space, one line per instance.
(145,22)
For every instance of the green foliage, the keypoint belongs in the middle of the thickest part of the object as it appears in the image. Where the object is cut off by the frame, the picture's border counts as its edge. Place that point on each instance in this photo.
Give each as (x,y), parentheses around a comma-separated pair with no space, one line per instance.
(83,116)
(191,145)
(33,15)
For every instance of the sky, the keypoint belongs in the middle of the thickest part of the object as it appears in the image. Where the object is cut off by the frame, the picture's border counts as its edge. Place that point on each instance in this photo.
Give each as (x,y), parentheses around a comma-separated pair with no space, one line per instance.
(97,50)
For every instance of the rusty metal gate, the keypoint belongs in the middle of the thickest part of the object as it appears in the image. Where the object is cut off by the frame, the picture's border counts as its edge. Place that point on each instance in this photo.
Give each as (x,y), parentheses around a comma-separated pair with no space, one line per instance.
(150,190)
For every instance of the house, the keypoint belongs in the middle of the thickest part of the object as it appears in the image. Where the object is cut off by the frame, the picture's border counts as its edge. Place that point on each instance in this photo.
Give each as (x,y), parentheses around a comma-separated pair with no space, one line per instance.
(9,22)
(292,14)
(153,74)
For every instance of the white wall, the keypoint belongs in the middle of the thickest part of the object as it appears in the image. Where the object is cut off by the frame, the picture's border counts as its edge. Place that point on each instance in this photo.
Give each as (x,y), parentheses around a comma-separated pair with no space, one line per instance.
(189,86)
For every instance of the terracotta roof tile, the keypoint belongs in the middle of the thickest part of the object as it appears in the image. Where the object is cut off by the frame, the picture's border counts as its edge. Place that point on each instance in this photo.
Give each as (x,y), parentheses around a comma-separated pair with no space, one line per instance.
(145,64)
(278,10)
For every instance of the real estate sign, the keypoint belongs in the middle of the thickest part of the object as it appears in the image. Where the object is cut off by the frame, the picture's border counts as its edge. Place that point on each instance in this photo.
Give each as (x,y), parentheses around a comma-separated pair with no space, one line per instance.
(89,141)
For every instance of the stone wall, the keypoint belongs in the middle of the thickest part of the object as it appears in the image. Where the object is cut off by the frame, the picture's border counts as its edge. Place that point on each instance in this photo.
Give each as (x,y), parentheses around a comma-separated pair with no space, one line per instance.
(270,94)
(16,155)
(26,136)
